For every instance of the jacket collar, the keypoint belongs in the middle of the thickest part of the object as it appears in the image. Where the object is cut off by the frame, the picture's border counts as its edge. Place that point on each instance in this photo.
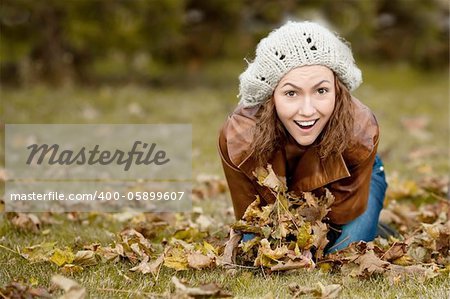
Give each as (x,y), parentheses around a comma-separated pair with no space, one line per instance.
(311,171)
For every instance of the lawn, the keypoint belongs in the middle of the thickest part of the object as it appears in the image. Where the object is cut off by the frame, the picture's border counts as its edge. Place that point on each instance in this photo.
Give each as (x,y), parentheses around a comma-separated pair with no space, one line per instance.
(412,108)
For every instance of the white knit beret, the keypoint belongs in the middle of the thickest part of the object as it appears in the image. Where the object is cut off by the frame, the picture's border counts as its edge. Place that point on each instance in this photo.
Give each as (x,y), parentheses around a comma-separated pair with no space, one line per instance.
(292,45)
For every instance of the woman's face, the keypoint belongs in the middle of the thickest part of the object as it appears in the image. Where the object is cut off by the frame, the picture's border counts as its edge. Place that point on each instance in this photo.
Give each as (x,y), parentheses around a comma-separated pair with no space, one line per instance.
(304,99)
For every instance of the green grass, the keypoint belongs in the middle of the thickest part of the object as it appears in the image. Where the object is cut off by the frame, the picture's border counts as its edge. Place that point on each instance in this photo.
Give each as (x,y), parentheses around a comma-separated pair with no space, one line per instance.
(399,93)
(393,94)
(244,283)
(204,108)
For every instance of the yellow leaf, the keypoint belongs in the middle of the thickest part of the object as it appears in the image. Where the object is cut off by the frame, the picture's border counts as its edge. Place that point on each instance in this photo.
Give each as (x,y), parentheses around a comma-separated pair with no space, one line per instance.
(267,256)
(325,267)
(246,246)
(260,173)
(281,231)
(253,210)
(38,253)
(46,231)
(304,237)
(34,281)
(189,235)
(282,200)
(209,248)
(176,259)
(403,261)
(61,257)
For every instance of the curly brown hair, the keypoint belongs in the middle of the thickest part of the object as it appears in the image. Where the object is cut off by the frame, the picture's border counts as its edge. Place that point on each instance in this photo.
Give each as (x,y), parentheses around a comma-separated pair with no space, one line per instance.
(270,134)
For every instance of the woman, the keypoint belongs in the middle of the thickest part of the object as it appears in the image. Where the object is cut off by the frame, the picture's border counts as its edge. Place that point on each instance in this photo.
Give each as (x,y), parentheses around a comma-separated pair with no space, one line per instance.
(296,113)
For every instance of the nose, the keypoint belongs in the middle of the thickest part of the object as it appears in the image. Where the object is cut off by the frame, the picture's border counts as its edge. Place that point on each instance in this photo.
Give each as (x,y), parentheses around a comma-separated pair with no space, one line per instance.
(306,108)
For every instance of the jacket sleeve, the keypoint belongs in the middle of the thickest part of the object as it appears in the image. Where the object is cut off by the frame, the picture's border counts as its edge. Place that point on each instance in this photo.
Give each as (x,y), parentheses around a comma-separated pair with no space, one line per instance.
(352,193)
(242,189)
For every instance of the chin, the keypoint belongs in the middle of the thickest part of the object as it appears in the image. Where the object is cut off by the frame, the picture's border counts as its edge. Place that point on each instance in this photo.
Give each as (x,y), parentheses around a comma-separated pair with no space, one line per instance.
(304,142)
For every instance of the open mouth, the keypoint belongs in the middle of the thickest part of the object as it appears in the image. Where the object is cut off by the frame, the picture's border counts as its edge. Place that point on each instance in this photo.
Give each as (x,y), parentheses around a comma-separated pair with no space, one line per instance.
(306,125)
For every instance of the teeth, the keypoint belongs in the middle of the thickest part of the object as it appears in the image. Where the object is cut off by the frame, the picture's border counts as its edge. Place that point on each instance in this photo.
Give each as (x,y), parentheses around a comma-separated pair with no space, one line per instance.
(306,123)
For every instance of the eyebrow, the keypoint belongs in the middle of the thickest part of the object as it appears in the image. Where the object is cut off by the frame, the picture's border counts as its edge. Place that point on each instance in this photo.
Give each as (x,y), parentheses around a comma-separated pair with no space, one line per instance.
(297,87)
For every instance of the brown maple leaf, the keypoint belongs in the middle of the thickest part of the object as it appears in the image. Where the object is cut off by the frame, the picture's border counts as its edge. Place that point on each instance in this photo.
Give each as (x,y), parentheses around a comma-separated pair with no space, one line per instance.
(369,263)
(397,250)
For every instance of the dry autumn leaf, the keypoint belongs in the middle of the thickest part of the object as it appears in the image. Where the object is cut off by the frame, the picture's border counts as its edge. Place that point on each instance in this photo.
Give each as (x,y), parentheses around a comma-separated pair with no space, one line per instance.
(284,230)
(199,261)
(207,290)
(25,221)
(274,182)
(72,290)
(38,253)
(20,290)
(369,264)
(229,255)
(396,251)
(319,291)
(149,267)
(302,262)
(422,273)
(85,258)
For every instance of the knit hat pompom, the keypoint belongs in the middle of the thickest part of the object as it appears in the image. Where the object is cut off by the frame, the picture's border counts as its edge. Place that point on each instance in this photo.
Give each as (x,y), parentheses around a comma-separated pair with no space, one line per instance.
(293,45)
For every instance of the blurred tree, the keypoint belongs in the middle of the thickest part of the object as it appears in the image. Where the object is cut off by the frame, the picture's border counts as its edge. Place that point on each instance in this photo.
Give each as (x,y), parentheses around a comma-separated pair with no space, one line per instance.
(58,41)
(210,27)
(20,45)
(413,30)
(88,40)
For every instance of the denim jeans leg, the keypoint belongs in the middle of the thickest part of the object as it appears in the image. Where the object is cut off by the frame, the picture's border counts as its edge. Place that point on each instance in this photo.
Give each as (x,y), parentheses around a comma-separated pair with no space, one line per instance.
(364,227)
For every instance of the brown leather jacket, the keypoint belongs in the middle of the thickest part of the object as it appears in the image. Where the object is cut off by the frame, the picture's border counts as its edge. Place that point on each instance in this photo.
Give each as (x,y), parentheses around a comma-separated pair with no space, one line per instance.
(347,175)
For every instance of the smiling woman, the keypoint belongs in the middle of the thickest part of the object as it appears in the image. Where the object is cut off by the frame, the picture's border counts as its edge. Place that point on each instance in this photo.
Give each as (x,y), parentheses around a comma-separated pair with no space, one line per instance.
(304,101)
(297,114)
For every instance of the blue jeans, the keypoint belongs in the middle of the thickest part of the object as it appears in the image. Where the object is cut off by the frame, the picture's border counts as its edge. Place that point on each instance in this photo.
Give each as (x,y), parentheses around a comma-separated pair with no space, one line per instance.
(364,228)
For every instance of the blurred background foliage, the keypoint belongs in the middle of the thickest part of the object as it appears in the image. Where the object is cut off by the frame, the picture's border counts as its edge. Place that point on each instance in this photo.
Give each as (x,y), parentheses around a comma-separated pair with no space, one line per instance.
(178,61)
(157,41)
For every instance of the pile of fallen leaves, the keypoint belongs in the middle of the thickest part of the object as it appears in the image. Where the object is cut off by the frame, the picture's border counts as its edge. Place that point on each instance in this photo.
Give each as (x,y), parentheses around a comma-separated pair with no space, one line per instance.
(288,234)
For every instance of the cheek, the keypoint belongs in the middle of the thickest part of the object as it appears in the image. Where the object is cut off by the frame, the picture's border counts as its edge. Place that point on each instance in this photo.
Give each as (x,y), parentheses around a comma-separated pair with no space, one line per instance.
(283,110)
(282,116)
(327,108)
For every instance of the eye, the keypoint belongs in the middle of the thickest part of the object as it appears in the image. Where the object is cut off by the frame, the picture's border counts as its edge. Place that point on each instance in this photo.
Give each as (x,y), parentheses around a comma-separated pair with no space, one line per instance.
(290,93)
(322,90)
